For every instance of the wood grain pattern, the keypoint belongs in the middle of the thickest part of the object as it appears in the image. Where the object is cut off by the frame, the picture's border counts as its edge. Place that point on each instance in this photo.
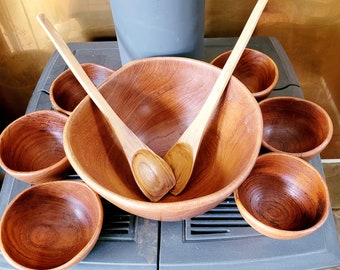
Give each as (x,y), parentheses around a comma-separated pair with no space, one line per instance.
(295,126)
(158,98)
(51,226)
(256,70)
(284,197)
(31,147)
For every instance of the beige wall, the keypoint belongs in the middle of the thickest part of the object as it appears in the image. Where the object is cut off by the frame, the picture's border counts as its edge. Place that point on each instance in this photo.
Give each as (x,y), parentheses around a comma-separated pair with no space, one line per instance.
(309,30)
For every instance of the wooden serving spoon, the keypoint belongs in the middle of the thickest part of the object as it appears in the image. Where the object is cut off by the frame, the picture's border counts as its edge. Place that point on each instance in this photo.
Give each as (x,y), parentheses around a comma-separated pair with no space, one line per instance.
(182,155)
(152,174)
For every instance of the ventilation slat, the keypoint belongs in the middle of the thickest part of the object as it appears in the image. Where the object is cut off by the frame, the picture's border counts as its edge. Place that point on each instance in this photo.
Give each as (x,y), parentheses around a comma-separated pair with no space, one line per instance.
(214,223)
(117,224)
(218,215)
(210,231)
(223,221)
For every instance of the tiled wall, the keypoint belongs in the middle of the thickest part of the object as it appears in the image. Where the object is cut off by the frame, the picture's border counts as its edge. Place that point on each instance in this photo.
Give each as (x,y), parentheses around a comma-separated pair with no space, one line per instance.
(309,30)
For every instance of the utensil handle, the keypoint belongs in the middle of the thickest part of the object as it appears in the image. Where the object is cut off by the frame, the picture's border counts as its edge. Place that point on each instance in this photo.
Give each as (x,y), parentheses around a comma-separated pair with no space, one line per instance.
(202,119)
(239,47)
(127,138)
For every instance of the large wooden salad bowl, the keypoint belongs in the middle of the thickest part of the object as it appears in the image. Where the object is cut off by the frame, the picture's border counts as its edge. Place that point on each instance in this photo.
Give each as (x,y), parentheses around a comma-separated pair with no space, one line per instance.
(158,98)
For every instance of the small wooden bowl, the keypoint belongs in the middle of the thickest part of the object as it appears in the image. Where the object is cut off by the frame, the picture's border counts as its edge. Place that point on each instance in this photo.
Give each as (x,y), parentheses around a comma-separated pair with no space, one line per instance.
(284,197)
(256,70)
(31,147)
(66,92)
(51,226)
(295,126)
(158,98)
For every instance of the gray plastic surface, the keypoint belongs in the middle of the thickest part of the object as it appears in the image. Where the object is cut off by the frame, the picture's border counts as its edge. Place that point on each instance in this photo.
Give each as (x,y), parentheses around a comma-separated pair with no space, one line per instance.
(159,28)
(165,245)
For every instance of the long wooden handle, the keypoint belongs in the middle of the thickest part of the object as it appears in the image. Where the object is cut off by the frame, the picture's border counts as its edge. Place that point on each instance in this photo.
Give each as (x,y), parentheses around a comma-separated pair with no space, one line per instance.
(200,122)
(129,141)
(182,155)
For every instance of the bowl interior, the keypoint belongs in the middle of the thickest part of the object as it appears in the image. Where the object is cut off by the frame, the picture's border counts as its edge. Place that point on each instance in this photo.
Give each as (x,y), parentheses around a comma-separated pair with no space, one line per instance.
(257,71)
(48,225)
(66,92)
(33,142)
(284,193)
(295,125)
(158,98)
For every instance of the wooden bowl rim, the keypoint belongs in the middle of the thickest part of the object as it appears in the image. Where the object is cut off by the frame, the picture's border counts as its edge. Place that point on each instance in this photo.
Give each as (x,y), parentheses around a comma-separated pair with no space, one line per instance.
(279,233)
(307,155)
(84,251)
